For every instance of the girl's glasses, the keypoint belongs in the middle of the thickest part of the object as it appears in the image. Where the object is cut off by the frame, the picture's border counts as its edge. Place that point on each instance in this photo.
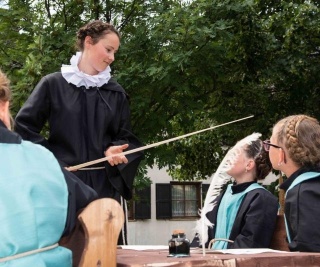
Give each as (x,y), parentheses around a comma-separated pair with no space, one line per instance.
(267,145)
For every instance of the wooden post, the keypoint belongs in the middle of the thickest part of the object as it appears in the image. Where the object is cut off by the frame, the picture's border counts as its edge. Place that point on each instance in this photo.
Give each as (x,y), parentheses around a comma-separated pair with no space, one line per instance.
(281,196)
(279,241)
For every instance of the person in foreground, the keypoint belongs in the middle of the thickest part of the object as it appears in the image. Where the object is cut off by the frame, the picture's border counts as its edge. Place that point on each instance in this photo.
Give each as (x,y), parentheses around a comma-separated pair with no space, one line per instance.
(244,215)
(294,149)
(88,115)
(39,200)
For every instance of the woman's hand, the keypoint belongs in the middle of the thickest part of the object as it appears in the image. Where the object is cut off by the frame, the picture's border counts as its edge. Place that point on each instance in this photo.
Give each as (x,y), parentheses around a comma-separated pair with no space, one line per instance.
(114,158)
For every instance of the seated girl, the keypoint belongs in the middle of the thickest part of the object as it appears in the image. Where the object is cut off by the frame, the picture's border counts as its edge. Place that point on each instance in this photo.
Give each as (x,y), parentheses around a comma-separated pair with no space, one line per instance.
(244,214)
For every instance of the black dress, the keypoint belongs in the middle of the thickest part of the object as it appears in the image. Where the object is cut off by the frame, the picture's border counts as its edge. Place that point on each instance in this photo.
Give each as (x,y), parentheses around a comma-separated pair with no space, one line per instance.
(83,123)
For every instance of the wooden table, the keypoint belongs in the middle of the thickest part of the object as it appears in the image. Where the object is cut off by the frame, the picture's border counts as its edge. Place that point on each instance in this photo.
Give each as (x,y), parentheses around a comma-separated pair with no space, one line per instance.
(157,258)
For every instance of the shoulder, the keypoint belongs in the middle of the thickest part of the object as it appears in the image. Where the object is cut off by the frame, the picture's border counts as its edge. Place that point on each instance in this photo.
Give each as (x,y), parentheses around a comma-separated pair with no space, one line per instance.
(263,194)
(50,79)
(261,199)
(310,182)
(113,85)
(54,77)
(307,186)
(38,151)
(7,136)
(52,82)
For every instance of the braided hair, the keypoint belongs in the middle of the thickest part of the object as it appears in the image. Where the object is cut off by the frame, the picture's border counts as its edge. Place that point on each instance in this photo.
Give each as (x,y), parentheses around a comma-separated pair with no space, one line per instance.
(96,29)
(260,156)
(300,134)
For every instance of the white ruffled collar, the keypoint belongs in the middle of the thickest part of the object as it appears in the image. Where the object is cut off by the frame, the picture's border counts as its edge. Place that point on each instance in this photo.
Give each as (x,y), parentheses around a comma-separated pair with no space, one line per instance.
(73,75)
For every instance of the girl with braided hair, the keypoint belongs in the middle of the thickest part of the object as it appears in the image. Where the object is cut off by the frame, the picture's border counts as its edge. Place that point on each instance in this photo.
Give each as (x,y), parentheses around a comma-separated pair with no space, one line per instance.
(88,115)
(244,215)
(294,149)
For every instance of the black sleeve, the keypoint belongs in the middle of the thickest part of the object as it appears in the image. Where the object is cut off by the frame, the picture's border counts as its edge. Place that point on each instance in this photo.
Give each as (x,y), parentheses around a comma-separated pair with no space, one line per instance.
(80,195)
(33,115)
(122,176)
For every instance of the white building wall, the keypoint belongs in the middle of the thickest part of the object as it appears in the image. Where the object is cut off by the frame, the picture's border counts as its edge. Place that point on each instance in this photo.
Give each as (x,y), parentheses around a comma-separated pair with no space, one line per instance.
(158,232)
(153,231)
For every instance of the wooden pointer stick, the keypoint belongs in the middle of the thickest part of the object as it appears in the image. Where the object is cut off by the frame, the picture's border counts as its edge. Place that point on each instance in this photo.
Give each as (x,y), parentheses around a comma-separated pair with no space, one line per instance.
(89,163)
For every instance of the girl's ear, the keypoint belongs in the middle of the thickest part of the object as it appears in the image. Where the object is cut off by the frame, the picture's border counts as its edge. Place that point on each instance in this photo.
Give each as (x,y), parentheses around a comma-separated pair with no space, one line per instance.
(250,164)
(282,157)
(88,40)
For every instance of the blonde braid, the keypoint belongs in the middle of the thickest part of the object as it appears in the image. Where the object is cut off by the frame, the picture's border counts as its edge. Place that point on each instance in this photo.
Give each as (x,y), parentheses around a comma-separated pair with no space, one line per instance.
(301,136)
(296,150)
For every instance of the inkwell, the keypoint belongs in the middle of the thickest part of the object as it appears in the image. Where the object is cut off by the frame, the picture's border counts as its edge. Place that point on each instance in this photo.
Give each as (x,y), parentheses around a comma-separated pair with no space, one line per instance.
(179,245)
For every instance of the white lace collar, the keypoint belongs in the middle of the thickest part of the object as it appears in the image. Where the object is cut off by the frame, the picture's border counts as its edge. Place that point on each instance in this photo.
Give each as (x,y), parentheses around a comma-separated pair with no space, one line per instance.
(73,75)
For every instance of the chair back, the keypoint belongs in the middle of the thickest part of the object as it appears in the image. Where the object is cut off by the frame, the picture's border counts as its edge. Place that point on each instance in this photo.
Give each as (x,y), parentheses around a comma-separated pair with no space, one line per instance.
(102,221)
(94,240)
(279,239)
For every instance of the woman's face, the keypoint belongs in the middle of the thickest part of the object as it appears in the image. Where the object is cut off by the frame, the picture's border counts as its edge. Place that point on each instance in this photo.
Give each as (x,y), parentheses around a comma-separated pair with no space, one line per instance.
(102,54)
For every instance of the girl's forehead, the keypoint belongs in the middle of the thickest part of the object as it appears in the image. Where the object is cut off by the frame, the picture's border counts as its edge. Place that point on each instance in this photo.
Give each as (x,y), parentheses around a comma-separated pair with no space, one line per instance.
(110,36)
(275,131)
(110,39)
(237,152)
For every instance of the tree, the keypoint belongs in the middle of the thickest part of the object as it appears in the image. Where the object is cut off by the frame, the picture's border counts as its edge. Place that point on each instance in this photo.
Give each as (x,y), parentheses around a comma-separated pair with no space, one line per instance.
(187,65)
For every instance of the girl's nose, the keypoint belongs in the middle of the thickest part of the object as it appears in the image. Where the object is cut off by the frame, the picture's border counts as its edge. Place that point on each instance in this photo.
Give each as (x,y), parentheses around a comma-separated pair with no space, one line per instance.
(111,57)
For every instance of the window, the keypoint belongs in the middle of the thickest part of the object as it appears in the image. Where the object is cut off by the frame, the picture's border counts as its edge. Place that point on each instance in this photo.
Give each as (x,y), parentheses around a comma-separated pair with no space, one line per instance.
(178,200)
(139,208)
(184,199)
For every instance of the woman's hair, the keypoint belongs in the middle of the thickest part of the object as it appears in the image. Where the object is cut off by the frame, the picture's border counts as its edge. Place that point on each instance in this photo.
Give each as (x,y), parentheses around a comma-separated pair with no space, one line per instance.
(5,92)
(96,29)
(261,158)
(300,134)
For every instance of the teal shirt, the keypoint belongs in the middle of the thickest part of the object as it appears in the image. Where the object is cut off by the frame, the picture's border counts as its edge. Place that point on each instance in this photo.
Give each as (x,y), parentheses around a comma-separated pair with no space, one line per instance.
(33,206)
(227,213)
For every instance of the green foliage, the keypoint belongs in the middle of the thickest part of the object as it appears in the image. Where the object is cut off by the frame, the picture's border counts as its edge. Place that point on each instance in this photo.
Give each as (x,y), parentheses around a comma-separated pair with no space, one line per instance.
(187,65)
